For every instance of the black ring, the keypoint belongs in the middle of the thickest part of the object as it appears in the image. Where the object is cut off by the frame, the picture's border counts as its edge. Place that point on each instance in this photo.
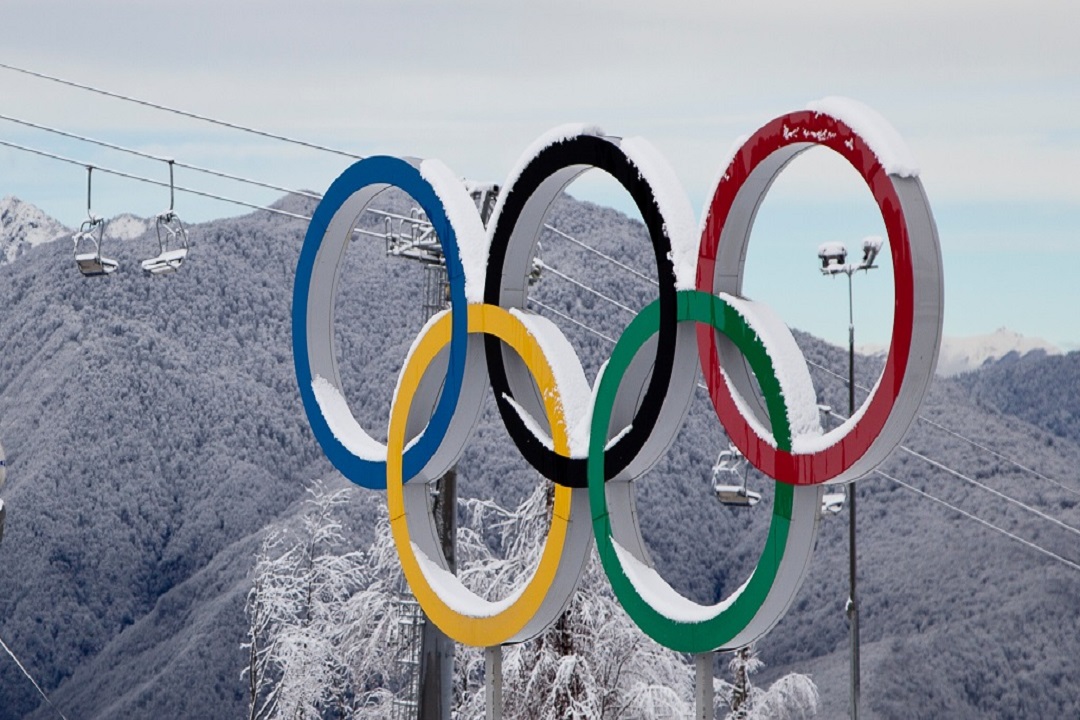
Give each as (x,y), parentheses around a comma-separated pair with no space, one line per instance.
(566,159)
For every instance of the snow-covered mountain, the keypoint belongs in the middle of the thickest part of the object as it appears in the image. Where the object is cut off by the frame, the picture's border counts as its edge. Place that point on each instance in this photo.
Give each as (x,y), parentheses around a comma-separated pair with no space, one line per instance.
(962,354)
(126,227)
(23,226)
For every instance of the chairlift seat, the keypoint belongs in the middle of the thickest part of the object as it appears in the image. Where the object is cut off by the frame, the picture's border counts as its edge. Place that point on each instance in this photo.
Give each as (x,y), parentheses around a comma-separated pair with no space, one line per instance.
(736,496)
(92,264)
(832,503)
(165,262)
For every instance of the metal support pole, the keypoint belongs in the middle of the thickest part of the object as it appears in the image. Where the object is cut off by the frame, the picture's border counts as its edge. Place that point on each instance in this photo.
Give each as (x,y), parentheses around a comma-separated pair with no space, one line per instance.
(493,682)
(89,183)
(852,603)
(437,650)
(704,693)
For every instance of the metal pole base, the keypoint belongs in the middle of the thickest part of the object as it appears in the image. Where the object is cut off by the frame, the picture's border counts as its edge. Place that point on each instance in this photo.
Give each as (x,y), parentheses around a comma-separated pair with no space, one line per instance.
(493,682)
(704,693)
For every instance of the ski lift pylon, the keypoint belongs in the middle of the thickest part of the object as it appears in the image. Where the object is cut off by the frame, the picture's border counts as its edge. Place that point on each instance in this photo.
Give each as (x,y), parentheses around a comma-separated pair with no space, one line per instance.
(172,238)
(88,239)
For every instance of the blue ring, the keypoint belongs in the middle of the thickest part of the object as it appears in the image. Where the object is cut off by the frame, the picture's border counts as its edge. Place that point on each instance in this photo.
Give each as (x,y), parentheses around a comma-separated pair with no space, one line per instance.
(380,170)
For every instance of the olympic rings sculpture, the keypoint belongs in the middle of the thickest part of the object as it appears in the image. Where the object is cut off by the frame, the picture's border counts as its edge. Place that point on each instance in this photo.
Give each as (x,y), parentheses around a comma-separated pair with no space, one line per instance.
(593,442)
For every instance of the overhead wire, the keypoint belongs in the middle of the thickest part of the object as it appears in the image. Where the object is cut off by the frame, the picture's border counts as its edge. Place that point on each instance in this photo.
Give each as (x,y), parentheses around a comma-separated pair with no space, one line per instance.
(183,113)
(30,678)
(569,319)
(594,251)
(942,466)
(984,523)
(586,288)
(993,491)
(160,183)
(959,436)
(160,158)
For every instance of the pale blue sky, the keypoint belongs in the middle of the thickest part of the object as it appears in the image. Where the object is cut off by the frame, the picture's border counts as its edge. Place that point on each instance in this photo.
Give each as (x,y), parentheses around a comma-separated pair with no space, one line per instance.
(986,94)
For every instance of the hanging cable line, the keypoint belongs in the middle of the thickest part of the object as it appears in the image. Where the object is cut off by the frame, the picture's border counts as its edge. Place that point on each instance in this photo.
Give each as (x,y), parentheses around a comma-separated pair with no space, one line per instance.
(151,181)
(992,491)
(30,678)
(984,523)
(583,286)
(149,156)
(958,436)
(566,317)
(998,455)
(184,113)
(608,258)
(997,493)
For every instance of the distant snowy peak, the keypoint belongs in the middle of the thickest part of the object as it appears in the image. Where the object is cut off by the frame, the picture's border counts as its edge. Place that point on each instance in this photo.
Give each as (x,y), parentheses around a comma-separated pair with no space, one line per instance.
(23,226)
(963,354)
(970,353)
(126,227)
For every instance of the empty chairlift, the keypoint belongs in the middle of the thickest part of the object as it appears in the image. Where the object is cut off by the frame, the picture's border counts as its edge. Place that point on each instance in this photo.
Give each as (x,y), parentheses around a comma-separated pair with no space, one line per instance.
(726,468)
(88,240)
(172,239)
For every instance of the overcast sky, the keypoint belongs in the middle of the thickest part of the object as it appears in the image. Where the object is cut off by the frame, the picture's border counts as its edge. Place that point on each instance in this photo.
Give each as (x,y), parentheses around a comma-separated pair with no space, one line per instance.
(986,94)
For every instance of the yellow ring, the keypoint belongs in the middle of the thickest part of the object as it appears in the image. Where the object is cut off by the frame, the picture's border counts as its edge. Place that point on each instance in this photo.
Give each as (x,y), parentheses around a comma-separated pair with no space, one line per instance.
(488,623)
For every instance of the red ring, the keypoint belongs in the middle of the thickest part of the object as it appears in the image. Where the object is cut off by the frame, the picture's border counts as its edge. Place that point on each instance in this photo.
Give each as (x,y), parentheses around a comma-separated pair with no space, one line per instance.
(810,128)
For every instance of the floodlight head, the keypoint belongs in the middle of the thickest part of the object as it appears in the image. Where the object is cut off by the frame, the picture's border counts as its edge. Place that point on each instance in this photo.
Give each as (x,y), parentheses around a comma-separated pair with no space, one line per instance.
(871,246)
(832,254)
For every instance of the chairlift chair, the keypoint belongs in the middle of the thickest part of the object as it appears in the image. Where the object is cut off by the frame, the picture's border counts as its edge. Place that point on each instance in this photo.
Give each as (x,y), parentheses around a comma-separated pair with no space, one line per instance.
(172,239)
(727,464)
(832,503)
(88,240)
(172,245)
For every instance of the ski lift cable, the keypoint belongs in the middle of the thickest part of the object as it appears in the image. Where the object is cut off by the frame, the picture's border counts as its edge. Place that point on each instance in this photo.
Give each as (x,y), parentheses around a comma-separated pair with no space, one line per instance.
(992,491)
(596,252)
(587,328)
(184,113)
(998,455)
(984,523)
(149,156)
(30,678)
(151,181)
(968,440)
(566,317)
(997,493)
(583,286)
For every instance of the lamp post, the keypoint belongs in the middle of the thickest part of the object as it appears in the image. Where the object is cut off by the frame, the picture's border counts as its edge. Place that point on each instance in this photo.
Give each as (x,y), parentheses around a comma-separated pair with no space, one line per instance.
(833,256)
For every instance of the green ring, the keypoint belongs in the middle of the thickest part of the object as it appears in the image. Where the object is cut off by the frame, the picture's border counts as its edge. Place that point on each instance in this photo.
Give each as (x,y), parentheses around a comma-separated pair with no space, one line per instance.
(723,626)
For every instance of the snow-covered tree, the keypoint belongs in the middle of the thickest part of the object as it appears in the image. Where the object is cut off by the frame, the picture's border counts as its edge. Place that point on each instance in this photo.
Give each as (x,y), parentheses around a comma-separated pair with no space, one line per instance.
(322,641)
(320,622)
(792,697)
(593,663)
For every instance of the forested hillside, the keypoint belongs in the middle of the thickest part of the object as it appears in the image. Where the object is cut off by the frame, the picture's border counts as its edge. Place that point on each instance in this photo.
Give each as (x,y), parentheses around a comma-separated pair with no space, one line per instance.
(154,431)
